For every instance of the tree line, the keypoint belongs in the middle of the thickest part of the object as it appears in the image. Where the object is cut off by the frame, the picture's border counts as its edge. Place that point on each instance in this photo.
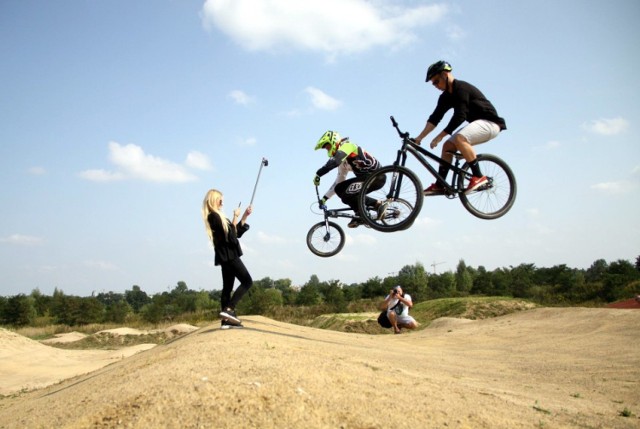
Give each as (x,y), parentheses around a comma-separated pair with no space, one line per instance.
(601,283)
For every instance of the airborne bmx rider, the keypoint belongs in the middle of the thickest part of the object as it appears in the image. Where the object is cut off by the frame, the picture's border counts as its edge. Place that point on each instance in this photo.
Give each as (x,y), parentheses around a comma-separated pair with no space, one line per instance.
(348,156)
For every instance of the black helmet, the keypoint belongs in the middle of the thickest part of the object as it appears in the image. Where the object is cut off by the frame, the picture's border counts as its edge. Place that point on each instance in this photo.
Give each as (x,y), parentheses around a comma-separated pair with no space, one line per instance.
(436,68)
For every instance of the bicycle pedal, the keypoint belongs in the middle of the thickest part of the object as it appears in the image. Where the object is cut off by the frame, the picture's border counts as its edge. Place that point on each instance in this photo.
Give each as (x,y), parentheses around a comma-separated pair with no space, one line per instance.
(392,213)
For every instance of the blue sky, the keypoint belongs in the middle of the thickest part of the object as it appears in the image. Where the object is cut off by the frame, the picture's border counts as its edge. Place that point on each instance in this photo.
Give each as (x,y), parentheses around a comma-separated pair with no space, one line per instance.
(116,118)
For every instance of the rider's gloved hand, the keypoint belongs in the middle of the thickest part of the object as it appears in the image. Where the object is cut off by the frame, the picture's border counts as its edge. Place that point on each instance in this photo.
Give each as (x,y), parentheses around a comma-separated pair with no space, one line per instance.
(316,180)
(322,203)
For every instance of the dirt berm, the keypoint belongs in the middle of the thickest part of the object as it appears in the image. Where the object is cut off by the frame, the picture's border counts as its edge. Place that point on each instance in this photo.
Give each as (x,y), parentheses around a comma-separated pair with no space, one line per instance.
(542,368)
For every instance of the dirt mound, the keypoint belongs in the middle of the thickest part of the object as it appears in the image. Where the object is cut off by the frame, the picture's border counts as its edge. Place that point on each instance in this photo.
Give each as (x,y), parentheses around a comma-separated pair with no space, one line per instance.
(553,368)
(119,338)
(363,323)
(122,331)
(179,329)
(69,337)
(26,364)
(448,323)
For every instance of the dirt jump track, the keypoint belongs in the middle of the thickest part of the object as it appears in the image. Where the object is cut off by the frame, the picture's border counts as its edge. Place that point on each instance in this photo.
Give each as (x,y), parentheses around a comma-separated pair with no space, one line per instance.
(542,368)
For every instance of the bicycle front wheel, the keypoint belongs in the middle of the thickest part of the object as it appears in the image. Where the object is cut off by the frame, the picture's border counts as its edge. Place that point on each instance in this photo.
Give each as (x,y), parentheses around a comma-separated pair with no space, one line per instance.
(494,199)
(325,240)
(399,190)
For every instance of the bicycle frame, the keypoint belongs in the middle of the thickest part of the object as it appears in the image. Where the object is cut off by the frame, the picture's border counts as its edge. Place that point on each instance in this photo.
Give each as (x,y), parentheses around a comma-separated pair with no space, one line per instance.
(335,212)
(402,195)
(338,213)
(418,152)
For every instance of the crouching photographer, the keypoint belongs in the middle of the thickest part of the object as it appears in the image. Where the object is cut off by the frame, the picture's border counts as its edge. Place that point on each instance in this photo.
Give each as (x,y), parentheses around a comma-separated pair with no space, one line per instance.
(395,311)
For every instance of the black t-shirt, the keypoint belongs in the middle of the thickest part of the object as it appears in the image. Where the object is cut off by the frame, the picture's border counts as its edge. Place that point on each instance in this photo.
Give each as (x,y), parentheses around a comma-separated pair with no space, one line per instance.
(468,104)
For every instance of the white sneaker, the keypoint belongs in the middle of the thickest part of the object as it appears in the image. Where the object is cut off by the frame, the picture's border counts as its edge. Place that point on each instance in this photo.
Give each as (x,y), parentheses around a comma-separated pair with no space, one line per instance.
(230,316)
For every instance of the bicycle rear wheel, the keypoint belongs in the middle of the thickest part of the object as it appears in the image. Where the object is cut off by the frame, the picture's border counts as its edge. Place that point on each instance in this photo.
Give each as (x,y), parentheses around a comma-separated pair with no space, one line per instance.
(325,240)
(397,211)
(494,199)
(401,193)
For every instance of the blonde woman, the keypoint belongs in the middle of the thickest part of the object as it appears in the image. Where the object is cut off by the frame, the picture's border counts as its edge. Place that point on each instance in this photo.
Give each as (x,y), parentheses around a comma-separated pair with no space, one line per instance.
(224,234)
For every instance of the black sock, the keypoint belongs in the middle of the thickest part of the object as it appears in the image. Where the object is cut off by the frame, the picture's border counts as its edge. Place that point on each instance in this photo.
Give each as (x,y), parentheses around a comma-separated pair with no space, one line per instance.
(443,170)
(475,168)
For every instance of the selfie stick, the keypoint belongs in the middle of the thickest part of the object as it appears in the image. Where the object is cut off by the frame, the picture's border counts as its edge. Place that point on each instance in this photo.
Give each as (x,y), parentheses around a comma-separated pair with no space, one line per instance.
(263,163)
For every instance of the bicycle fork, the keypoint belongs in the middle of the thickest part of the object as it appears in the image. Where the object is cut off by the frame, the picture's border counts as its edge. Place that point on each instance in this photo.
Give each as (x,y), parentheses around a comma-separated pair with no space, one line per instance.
(327,234)
(394,188)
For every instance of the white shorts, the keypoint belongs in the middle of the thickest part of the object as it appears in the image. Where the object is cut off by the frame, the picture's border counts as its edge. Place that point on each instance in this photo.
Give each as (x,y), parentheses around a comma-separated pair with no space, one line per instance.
(479,131)
(405,320)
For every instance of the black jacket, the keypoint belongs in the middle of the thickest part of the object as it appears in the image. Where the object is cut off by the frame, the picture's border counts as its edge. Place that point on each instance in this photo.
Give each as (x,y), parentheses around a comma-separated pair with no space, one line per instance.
(226,248)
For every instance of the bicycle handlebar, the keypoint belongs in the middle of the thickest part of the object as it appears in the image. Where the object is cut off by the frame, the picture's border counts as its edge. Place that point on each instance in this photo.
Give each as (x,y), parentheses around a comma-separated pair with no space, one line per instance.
(322,206)
(403,135)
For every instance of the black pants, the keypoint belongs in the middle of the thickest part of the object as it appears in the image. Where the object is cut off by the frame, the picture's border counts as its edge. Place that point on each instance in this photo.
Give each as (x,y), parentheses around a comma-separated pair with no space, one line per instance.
(230,271)
(348,191)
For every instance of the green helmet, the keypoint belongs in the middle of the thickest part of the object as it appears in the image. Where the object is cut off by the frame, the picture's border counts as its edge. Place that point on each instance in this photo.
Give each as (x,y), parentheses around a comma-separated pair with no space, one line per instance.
(330,137)
(436,68)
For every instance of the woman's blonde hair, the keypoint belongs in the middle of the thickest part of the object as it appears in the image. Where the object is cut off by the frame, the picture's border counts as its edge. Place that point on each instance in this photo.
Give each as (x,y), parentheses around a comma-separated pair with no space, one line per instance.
(210,205)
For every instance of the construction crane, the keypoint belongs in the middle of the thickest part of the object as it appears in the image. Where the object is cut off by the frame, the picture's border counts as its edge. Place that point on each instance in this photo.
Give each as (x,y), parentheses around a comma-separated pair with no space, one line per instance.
(434,264)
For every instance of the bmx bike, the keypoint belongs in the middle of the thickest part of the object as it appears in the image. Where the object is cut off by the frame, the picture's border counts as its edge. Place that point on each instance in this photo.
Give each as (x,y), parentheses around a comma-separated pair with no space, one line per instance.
(490,201)
(327,238)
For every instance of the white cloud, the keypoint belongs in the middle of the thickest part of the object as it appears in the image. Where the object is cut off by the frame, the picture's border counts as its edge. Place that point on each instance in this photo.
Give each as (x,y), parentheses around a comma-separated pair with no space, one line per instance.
(240,97)
(251,141)
(102,175)
(533,212)
(617,188)
(328,26)
(132,163)
(293,113)
(366,239)
(607,127)
(136,163)
(455,33)
(22,240)
(321,100)
(198,161)
(548,146)
(540,229)
(101,265)
(427,222)
(270,239)
(37,171)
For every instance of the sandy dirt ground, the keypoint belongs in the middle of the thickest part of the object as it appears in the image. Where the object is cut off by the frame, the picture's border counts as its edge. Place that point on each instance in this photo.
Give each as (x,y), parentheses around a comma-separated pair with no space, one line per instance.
(543,368)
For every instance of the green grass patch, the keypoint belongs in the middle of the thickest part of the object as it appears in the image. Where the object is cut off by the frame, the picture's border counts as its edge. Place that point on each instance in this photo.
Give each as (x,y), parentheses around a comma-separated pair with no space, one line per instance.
(107,341)
(472,308)
(626,413)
